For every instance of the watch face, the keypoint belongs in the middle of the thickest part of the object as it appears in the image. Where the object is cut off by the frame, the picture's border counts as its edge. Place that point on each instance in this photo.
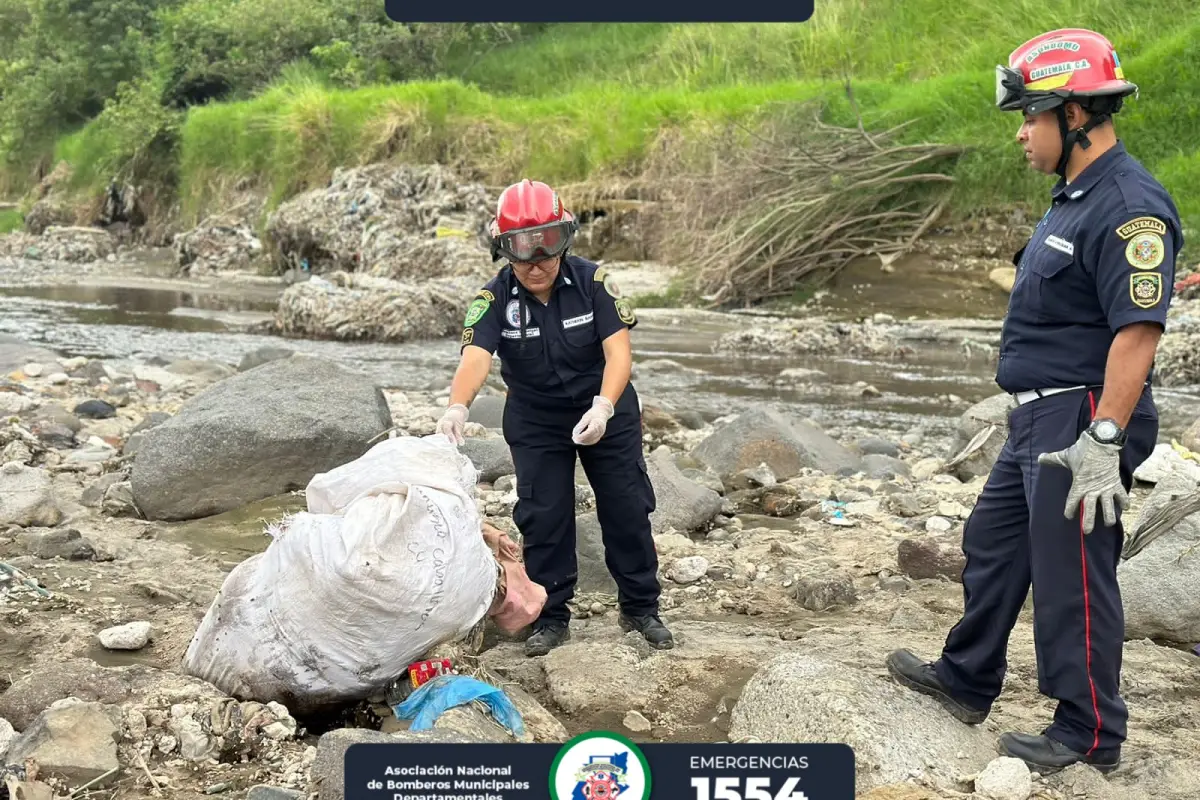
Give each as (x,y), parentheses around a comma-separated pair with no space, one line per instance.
(1106,430)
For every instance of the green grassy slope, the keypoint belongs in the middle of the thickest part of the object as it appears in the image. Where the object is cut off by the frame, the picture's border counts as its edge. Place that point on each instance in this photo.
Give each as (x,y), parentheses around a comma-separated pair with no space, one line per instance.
(578,101)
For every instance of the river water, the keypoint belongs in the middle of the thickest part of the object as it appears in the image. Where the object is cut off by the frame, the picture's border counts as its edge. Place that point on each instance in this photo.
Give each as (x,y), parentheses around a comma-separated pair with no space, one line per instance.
(137,316)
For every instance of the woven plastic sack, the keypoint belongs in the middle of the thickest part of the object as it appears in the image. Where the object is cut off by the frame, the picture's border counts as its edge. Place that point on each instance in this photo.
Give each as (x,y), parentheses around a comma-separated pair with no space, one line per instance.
(386,563)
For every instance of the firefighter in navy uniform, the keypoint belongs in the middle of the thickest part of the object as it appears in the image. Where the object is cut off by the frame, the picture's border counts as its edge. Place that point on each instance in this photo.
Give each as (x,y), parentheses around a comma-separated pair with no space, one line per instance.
(561,328)
(1086,313)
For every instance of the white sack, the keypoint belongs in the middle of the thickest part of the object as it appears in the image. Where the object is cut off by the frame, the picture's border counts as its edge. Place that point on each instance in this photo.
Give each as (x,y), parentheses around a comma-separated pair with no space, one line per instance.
(387,563)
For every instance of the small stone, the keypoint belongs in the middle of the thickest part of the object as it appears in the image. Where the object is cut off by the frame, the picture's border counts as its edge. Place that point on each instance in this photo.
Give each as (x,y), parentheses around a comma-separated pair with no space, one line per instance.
(637,723)
(95,409)
(689,569)
(264,792)
(937,524)
(33,370)
(949,508)
(131,636)
(1004,778)
(7,734)
(597,608)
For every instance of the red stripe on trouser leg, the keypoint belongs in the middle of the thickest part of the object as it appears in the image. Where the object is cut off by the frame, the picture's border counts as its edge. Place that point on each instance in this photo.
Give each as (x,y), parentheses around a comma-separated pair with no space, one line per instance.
(1087,610)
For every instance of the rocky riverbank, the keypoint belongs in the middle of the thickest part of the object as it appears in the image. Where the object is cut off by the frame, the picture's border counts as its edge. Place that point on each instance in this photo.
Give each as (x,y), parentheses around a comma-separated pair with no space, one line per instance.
(792,559)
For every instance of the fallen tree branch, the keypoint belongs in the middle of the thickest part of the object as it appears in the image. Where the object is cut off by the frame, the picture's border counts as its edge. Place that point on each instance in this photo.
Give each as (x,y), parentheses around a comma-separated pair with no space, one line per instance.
(793,198)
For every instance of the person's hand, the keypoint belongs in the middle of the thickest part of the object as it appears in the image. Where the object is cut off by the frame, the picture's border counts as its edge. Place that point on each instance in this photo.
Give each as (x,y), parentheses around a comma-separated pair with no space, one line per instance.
(592,425)
(452,423)
(1096,476)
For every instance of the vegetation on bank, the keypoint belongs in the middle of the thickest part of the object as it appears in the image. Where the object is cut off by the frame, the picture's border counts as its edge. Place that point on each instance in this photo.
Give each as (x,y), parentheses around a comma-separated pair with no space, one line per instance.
(206,95)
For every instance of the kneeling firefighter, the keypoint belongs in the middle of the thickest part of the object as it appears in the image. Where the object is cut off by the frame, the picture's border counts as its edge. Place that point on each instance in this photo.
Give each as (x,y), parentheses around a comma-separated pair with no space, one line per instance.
(561,329)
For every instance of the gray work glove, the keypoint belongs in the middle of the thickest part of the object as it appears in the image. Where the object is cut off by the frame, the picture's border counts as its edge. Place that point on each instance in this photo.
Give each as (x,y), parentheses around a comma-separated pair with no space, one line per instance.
(1096,471)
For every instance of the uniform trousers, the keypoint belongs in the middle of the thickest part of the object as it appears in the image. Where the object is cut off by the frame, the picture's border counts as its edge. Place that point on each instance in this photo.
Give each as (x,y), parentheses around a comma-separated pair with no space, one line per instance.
(1017,537)
(544,456)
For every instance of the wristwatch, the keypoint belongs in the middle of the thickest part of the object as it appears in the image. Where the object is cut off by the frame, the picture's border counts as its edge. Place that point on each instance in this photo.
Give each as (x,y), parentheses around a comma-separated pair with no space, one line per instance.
(1107,431)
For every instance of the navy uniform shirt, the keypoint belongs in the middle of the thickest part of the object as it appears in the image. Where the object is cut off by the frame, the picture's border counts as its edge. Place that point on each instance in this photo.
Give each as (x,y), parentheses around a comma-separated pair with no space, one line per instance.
(556,359)
(1102,257)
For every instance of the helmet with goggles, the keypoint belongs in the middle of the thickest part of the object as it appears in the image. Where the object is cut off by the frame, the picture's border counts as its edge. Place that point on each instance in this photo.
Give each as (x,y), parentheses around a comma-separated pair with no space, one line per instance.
(531,224)
(1068,64)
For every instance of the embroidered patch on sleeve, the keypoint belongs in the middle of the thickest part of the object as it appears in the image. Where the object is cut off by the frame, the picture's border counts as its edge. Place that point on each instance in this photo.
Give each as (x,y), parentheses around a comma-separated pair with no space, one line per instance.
(475,312)
(1145,250)
(625,311)
(468,336)
(1141,225)
(1145,289)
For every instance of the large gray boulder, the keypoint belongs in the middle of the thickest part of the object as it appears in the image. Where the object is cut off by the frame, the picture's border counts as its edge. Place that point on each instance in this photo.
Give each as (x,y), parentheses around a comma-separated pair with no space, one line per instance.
(893,731)
(680,503)
(1158,584)
(257,434)
(767,436)
(990,415)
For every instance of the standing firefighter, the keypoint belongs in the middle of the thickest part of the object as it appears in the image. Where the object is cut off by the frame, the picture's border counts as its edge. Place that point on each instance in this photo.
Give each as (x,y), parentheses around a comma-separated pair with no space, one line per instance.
(1087,310)
(561,328)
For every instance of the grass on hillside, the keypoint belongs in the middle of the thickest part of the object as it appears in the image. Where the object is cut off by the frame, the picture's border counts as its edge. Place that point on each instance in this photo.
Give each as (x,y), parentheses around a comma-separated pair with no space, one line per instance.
(585,101)
(11,220)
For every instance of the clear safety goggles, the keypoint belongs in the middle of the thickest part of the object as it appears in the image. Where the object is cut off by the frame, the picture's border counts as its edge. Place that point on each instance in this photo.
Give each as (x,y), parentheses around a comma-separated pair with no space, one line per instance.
(534,244)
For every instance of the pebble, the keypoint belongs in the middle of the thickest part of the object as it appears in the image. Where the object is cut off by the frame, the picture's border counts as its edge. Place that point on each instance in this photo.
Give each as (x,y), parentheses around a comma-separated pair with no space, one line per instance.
(1004,778)
(689,569)
(131,636)
(57,378)
(637,723)
(937,524)
(33,370)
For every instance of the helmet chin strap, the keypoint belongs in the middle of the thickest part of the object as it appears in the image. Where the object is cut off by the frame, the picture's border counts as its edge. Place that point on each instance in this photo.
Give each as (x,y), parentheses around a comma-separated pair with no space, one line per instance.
(1071,138)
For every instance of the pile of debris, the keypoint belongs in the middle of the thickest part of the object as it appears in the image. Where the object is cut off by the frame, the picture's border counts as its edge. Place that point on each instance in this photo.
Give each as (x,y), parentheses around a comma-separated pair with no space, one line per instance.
(58,243)
(1177,362)
(815,336)
(403,222)
(217,245)
(353,307)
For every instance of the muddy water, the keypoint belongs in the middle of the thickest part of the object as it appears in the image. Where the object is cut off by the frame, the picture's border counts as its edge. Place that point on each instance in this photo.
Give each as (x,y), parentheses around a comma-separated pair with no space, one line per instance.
(136,312)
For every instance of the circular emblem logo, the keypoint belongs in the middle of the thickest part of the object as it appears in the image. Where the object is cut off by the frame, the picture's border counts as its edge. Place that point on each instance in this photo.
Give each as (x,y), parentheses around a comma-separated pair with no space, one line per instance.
(512,313)
(600,766)
(1145,250)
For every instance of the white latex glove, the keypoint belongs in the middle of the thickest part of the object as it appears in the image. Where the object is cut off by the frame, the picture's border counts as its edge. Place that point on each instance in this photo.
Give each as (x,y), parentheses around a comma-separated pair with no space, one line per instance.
(594,422)
(452,423)
(1096,471)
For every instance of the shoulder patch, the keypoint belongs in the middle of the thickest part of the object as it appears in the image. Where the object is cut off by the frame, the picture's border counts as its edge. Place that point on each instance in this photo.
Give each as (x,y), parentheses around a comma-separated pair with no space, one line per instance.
(601,274)
(625,311)
(479,306)
(1140,225)
(1145,250)
(1145,289)
(467,337)
(486,295)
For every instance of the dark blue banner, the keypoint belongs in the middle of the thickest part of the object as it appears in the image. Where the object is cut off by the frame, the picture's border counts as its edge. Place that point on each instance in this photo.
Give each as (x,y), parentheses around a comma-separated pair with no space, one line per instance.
(619,11)
(599,766)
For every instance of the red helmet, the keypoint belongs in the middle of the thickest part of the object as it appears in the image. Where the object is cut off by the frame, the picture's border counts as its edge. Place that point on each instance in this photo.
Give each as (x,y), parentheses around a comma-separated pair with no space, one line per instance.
(1066,64)
(531,223)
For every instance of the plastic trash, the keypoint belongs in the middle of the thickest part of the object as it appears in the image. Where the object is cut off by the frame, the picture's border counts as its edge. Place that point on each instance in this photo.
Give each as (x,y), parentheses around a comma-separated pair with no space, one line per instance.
(435,697)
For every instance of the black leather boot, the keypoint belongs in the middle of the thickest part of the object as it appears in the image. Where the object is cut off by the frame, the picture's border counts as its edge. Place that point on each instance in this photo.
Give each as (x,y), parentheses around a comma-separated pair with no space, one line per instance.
(545,637)
(918,675)
(651,628)
(1045,755)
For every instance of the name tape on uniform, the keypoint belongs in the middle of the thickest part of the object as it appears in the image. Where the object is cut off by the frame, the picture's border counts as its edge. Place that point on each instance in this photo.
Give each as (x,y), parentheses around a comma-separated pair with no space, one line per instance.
(1061,245)
(598,765)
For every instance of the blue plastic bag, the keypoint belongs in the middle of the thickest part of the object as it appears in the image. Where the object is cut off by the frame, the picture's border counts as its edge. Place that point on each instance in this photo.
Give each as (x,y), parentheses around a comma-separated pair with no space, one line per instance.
(444,692)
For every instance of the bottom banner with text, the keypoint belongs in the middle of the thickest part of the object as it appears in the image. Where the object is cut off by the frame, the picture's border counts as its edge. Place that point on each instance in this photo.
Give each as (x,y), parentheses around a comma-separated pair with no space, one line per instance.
(599,766)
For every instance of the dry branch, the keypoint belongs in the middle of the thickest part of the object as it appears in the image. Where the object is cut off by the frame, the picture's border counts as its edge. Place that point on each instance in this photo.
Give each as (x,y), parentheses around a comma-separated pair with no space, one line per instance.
(795,198)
